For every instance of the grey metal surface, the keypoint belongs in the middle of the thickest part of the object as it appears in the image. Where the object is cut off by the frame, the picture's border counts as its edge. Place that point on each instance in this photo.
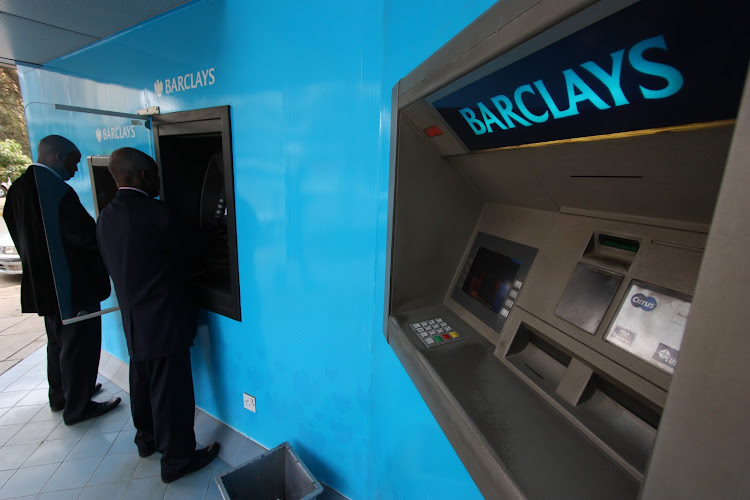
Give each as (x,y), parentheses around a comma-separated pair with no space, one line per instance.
(37,31)
(588,296)
(393,155)
(543,455)
(578,176)
(434,216)
(703,446)
(671,266)
(598,409)
(481,461)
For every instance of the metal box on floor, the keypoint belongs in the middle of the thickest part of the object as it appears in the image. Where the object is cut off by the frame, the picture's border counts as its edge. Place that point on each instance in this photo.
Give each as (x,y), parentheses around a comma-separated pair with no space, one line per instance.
(277,474)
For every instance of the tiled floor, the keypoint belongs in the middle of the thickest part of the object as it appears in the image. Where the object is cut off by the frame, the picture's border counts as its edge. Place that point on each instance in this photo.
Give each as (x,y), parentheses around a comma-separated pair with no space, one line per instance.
(42,458)
(20,334)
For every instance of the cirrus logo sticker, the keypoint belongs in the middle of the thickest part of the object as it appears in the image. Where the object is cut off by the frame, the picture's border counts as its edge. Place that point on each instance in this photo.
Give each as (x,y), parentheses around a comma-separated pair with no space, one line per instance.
(645,303)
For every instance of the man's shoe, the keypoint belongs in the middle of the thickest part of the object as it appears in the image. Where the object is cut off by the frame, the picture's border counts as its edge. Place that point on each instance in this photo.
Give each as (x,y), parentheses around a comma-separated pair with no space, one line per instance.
(146,449)
(97,410)
(100,409)
(201,458)
(97,388)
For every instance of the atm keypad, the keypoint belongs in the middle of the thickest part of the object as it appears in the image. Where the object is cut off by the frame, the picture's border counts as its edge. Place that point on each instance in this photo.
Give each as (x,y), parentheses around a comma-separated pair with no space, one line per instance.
(434,332)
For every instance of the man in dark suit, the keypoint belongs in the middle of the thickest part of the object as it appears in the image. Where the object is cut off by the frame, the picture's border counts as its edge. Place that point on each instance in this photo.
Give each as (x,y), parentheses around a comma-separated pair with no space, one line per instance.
(72,350)
(148,255)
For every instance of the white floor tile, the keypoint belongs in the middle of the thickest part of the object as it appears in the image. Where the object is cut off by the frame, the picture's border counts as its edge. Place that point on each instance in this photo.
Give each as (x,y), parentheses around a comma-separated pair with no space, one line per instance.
(50,452)
(33,432)
(73,474)
(28,481)
(11,457)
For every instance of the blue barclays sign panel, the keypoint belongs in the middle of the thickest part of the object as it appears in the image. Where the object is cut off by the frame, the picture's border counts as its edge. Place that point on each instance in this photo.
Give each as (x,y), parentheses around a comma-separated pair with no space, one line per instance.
(652,65)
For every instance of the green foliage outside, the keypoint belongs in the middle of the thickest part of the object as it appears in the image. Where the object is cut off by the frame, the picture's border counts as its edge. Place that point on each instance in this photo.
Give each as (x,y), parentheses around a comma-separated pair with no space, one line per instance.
(14,143)
(13,161)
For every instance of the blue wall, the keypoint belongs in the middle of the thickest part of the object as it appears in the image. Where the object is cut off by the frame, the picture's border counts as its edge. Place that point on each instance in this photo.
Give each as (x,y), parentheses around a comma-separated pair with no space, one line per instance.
(309,88)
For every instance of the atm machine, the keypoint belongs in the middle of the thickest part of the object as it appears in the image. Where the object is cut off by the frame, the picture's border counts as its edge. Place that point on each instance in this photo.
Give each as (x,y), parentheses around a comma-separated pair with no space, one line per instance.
(193,150)
(555,171)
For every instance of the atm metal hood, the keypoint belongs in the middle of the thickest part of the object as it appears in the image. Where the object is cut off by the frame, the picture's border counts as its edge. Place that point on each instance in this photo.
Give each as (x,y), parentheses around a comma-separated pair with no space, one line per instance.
(38,31)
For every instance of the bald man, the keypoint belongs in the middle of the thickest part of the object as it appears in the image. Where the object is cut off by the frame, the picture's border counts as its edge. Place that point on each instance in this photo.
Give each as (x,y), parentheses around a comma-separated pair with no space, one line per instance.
(72,350)
(149,255)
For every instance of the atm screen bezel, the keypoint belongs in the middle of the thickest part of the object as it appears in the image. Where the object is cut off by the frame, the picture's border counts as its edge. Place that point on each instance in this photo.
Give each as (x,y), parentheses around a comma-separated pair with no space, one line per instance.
(515,251)
(96,162)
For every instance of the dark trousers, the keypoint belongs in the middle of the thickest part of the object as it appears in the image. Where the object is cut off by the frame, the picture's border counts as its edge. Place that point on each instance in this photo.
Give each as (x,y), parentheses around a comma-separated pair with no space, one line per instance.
(72,364)
(163,406)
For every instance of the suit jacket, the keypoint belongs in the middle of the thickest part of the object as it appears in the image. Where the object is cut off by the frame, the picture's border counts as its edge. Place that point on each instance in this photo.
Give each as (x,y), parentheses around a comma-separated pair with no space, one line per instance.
(89,283)
(147,253)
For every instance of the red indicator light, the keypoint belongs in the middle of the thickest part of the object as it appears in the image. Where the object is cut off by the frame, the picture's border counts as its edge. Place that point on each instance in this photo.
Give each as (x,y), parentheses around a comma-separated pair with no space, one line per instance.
(433,131)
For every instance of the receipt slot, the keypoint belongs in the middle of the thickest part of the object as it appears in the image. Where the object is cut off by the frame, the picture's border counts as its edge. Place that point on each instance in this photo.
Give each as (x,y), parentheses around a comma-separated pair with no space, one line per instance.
(193,151)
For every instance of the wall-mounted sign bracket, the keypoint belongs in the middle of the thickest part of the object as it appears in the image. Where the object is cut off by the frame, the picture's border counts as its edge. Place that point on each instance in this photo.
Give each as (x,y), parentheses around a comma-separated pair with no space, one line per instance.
(78,109)
(153,110)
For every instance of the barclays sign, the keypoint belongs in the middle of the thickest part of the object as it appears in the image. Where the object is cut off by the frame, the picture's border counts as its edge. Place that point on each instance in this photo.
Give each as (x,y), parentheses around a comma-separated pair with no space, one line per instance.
(577,91)
(640,68)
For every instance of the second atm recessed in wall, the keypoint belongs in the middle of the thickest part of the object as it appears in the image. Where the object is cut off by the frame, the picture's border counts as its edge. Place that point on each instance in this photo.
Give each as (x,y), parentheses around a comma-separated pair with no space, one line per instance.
(193,150)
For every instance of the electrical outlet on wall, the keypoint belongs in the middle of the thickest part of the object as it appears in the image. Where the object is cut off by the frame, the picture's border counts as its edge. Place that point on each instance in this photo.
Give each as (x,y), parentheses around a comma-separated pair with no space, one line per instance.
(248,401)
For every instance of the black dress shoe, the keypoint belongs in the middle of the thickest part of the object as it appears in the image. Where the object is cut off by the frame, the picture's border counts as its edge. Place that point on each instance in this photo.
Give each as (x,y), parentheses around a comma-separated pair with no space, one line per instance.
(100,409)
(146,449)
(60,407)
(97,410)
(201,458)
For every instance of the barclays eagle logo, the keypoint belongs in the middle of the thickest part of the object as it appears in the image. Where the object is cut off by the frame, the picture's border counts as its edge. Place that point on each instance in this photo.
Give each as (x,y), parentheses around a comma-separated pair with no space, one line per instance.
(158,87)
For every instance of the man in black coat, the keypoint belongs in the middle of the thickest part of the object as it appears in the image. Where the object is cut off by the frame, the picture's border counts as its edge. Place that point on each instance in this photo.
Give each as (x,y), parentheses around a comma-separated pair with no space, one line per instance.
(148,255)
(72,350)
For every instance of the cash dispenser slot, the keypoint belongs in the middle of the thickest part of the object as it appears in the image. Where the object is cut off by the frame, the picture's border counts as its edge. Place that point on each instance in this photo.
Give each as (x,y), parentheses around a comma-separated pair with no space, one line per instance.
(194,154)
(622,423)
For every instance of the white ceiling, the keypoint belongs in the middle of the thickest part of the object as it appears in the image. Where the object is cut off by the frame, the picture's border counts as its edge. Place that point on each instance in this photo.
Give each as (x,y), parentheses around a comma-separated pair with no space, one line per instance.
(38,31)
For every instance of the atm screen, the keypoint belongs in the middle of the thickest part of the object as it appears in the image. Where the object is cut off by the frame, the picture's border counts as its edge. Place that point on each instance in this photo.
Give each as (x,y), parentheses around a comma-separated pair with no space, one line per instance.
(103,185)
(490,278)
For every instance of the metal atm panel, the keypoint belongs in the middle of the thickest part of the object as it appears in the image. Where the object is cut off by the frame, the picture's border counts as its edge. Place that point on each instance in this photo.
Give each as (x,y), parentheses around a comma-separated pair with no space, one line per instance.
(551,401)
(193,151)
